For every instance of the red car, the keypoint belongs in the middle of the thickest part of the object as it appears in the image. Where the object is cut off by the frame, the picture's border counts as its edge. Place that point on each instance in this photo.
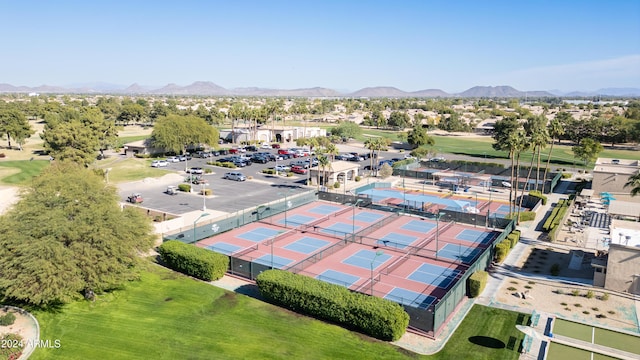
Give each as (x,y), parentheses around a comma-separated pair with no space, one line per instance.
(298,170)
(275,146)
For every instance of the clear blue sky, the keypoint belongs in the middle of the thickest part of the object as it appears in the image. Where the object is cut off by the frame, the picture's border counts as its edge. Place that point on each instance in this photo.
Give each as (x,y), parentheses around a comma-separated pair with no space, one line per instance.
(343,45)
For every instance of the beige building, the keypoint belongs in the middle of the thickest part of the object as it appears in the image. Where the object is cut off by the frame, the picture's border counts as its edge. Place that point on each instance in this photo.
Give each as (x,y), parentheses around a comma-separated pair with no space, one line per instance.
(619,270)
(610,175)
(340,171)
(266,133)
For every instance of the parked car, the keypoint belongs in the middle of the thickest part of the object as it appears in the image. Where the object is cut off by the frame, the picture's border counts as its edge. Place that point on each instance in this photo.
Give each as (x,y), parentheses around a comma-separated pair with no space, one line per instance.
(173,159)
(184,157)
(274,157)
(298,170)
(240,163)
(171,190)
(251,148)
(259,159)
(301,163)
(237,176)
(159,163)
(280,168)
(275,146)
(196,170)
(134,198)
(265,146)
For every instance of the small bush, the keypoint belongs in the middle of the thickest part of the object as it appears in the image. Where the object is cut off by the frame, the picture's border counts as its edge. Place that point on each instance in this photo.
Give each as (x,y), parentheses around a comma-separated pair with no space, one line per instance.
(589,294)
(575,292)
(269,171)
(611,312)
(531,282)
(601,316)
(586,312)
(336,185)
(513,282)
(566,175)
(555,269)
(528,287)
(208,171)
(511,288)
(604,297)
(7,319)
(559,291)
(595,309)
(476,283)
(577,305)
(194,261)
(358,178)
(563,303)
(2,155)
(568,309)
(207,192)
(184,187)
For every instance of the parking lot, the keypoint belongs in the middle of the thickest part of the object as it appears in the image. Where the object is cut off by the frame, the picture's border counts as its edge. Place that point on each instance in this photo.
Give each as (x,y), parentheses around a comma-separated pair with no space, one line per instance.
(228,195)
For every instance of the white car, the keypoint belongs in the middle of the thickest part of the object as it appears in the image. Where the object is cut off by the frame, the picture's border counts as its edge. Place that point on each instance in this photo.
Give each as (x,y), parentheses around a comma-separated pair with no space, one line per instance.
(282,168)
(159,163)
(265,146)
(235,176)
(173,159)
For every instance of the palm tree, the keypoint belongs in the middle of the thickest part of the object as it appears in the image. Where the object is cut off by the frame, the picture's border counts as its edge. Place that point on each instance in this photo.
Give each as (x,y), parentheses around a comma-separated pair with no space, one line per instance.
(634,183)
(506,133)
(556,129)
(370,145)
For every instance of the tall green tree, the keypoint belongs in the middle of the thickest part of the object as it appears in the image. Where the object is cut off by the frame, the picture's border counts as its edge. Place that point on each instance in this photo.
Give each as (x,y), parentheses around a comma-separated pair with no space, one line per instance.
(399,119)
(70,141)
(347,130)
(68,235)
(174,133)
(14,125)
(418,137)
(587,150)
(507,134)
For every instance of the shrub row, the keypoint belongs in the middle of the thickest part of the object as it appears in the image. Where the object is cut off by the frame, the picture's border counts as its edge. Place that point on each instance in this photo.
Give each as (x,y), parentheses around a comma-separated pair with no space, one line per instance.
(225,164)
(538,194)
(477,163)
(556,215)
(377,317)
(503,248)
(193,261)
(184,187)
(476,283)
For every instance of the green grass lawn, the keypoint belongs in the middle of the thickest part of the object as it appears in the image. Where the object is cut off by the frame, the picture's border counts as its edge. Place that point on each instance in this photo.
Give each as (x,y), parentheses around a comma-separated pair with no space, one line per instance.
(486,333)
(130,169)
(127,139)
(26,171)
(170,316)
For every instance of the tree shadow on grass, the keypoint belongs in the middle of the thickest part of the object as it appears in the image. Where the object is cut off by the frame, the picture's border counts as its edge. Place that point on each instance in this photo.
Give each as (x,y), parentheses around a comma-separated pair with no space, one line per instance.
(250,290)
(487,342)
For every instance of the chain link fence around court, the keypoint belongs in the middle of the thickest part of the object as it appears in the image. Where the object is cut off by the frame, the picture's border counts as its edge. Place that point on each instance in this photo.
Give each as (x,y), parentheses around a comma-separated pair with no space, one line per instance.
(228,222)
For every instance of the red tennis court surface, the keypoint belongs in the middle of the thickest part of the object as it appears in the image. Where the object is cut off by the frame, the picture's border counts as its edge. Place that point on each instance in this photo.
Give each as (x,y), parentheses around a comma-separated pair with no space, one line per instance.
(406,259)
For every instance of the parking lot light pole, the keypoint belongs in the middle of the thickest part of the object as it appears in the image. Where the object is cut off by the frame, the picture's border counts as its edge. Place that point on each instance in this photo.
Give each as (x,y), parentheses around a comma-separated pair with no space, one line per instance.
(204,197)
(286,205)
(378,253)
(194,224)
(353,218)
(438,216)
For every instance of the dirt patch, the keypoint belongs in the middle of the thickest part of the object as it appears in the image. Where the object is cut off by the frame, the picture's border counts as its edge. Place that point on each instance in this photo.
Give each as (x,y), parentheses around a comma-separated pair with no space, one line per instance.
(573,302)
(539,260)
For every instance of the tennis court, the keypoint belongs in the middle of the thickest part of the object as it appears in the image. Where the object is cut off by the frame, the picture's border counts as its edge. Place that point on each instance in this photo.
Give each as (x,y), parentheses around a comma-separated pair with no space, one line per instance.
(274,261)
(340,229)
(224,248)
(258,234)
(460,252)
(338,278)
(324,209)
(475,236)
(307,245)
(418,226)
(367,217)
(367,259)
(434,275)
(296,219)
(410,298)
(409,199)
(395,240)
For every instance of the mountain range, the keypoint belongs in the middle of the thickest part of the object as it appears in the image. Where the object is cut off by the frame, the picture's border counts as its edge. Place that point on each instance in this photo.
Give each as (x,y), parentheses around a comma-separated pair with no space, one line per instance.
(207,88)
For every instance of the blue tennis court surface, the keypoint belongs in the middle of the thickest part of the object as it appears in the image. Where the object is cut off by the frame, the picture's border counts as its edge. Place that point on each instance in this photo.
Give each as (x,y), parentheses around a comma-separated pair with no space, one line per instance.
(324,209)
(410,298)
(340,229)
(459,252)
(418,226)
(224,248)
(368,217)
(366,259)
(378,195)
(307,245)
(398,241)
(257,235)
(474,236)
(338,278)
(434,275)
(297,219)
(278,261)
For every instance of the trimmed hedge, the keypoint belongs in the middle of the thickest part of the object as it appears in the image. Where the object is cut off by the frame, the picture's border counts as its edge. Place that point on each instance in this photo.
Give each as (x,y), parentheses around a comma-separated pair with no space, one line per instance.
(184,187)
(194,261)
(502,249)
(476,283)
(377,317)
(527,216)
(539,195)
